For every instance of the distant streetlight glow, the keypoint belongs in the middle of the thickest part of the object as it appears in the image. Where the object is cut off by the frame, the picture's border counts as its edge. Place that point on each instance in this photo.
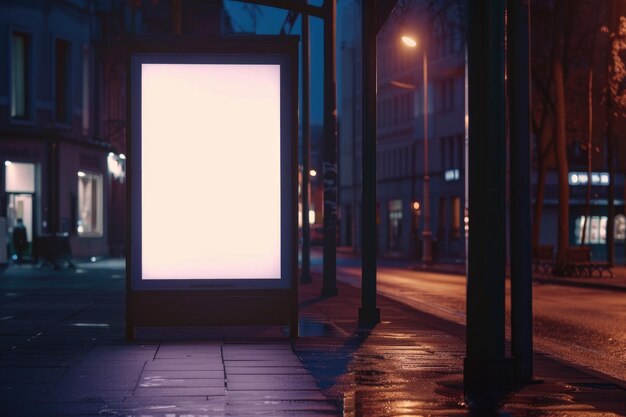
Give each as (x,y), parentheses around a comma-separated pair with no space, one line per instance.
(122,156)
(426,232)
(415,205)
(312,172)
(409,41)
(81,174)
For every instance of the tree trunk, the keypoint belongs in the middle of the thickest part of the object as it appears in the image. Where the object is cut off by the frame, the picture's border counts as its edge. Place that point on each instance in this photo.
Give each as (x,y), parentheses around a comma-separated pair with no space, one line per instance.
(560,142)
(610,126)
(610,234)
(589,150)
(540,190)
(616,9)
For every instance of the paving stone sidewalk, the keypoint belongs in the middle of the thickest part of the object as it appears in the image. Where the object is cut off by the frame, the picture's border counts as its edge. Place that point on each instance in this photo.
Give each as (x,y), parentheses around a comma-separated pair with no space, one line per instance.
(63,353)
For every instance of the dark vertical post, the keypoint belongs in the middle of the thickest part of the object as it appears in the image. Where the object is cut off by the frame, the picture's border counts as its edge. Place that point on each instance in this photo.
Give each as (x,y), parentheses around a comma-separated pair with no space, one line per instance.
(518,84)
(176,17)
(305,278)
(427,235)
(329,286)
(486,370)
(54,186)
(132,178)
(369,313)
(610,126)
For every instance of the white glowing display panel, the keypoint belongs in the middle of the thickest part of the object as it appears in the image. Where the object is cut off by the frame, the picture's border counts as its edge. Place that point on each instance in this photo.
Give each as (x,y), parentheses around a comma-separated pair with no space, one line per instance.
(210,171)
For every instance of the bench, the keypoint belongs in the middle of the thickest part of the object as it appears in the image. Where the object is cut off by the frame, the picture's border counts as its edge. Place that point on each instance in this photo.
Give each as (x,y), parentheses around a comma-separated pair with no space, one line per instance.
(54,250)
(543,259)
(578,263)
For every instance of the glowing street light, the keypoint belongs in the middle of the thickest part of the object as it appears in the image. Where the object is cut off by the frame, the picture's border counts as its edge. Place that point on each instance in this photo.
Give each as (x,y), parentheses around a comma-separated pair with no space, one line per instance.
(427,258)
(409,41)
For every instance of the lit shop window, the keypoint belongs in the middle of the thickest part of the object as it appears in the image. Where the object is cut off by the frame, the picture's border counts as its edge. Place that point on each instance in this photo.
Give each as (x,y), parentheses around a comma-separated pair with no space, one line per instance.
(595,232)
(455,212)
(620,227)
(89,204)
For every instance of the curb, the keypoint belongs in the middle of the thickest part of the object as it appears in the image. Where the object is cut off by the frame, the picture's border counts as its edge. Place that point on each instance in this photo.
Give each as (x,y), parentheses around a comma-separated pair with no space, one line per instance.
(573,282)
(580,284)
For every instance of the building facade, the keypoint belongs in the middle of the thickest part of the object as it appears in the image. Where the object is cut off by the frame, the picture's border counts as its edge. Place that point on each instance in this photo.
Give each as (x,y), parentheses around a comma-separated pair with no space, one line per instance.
(54,169)
(401,137)
(63,116)
(402,141)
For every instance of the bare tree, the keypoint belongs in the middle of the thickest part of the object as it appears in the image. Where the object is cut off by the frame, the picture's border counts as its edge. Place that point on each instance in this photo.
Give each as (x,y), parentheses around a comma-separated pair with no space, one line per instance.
(616,106)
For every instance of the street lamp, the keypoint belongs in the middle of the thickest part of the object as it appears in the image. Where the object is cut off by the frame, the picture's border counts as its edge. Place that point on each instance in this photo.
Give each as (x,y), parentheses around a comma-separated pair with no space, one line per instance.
(427,257)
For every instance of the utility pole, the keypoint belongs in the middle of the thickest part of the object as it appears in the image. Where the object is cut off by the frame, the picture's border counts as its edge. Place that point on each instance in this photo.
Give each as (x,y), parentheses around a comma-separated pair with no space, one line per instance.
(518,87)
(369,314)
(305,278)
(487,373)
(329,285)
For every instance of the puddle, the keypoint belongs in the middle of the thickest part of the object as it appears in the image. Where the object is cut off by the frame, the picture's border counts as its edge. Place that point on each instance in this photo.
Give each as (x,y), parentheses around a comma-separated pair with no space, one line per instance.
(314,328)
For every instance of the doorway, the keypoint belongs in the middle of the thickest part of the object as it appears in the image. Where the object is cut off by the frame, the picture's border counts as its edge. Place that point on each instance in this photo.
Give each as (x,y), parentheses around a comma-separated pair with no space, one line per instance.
(20,189)
(20,206)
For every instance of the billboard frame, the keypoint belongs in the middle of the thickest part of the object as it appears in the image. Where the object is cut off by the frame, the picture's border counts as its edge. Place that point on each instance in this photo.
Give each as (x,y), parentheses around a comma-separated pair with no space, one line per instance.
(196,302)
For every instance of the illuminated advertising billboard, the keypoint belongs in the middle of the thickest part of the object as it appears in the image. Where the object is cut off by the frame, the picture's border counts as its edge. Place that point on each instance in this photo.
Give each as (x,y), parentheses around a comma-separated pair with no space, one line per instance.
(212,165)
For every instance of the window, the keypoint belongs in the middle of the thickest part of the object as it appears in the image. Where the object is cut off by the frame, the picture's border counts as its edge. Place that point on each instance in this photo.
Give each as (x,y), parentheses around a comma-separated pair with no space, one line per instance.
(442,152)
(419,99)
(447,95)
(20,68)
(85,104)
(460,146)
(455,220)
(19,177)
(595,230)
(441,219)
(395,225)
(620,227)
(395,109)
(89,204)
(62,81)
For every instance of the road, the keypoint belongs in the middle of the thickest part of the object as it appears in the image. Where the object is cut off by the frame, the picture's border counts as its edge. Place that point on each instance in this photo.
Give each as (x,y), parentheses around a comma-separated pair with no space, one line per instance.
(582,325)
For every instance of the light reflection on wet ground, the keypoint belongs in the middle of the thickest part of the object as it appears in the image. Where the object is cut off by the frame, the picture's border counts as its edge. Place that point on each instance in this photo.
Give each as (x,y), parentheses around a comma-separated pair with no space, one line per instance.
(411,365)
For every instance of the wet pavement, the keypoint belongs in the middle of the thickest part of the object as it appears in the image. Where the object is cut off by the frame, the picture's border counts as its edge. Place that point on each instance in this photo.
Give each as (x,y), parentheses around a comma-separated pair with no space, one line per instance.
(62,352)
(412,363)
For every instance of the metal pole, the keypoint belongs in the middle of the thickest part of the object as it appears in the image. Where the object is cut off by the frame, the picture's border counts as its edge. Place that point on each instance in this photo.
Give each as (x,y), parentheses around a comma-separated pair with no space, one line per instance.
(518,86)
(427,256)
(305,278)
(487,373)
(369,313)
(329,285)
(466,163)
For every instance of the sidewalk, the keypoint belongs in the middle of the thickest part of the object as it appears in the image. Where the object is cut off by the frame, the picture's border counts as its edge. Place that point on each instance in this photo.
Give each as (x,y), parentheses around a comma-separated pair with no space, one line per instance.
(62,352)
(411,364)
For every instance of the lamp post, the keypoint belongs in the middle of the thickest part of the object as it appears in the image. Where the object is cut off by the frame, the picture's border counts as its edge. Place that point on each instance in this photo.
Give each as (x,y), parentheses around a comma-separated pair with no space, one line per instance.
(427,257)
